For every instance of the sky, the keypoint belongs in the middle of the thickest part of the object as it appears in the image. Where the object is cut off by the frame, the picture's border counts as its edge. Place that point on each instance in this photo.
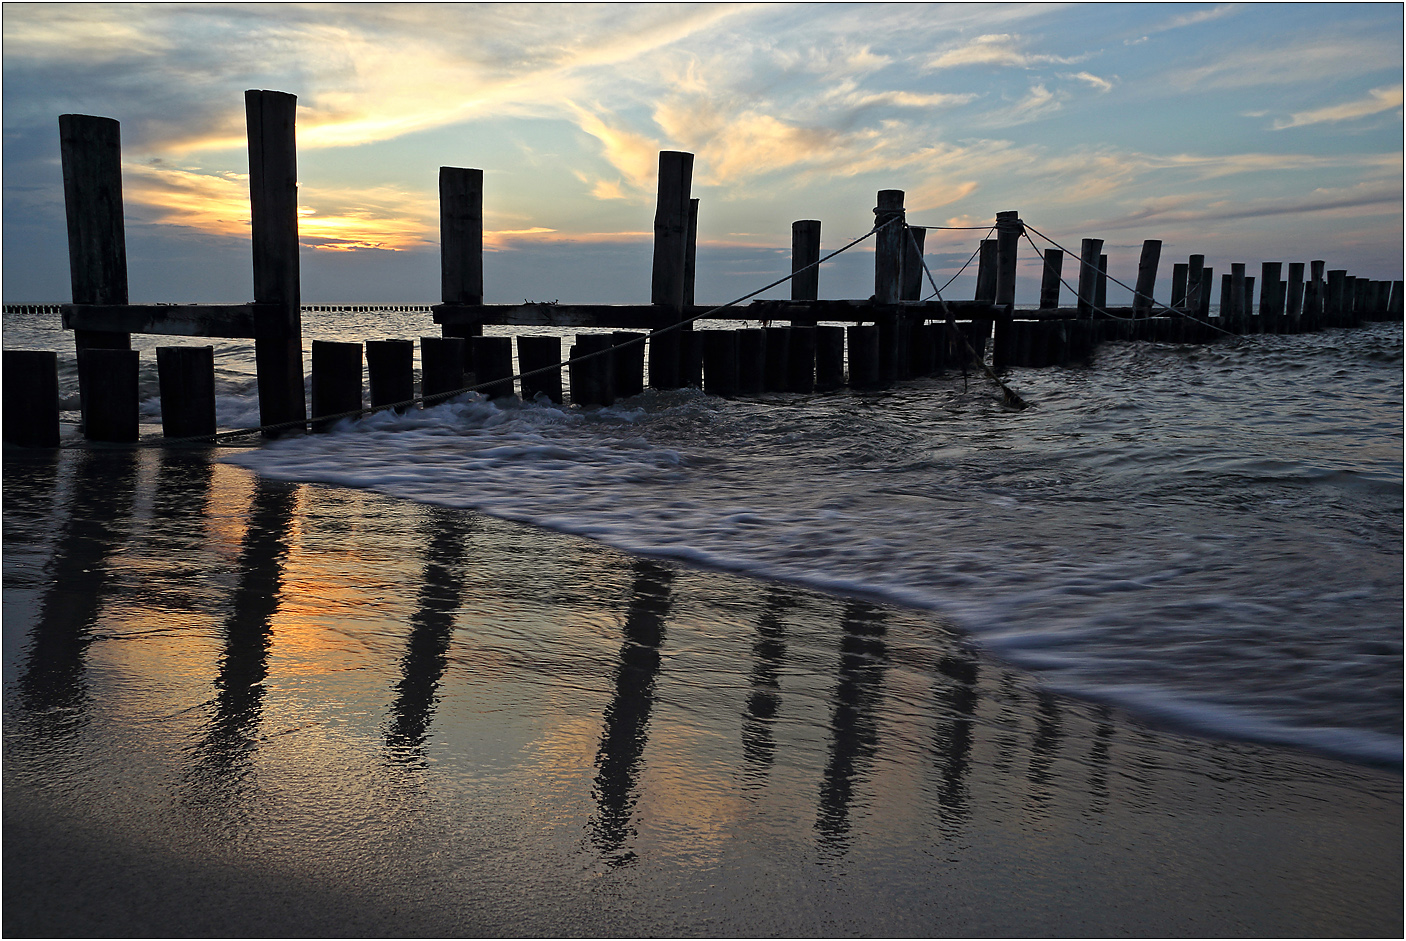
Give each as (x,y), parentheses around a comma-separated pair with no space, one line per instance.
(1244,132)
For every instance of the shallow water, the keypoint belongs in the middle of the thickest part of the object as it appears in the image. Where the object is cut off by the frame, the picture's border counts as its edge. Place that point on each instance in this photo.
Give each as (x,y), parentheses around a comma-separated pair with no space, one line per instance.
(1209,536)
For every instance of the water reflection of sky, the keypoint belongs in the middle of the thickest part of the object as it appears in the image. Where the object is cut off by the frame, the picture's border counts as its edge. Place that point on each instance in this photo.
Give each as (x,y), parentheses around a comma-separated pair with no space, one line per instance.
(339,684)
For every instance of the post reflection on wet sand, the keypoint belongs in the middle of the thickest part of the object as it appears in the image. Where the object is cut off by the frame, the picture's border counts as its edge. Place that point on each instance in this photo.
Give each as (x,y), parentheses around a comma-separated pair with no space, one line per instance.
(223,755)
(52,682)
(764,700)
(854,729)
(956,702)
(431,631)
(627,717)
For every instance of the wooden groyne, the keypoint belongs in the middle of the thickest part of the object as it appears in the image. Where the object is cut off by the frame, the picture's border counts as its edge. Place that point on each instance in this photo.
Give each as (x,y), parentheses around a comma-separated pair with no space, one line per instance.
(805,343)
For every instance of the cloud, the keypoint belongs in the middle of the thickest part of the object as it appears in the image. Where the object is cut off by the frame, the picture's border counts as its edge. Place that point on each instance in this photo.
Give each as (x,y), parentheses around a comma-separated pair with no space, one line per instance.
(1376,101)
(1316,59)
(997,49)
(1102,84)
(1385,196)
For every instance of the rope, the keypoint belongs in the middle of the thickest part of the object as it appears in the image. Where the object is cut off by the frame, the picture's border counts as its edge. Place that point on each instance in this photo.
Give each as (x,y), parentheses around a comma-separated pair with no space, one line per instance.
(1011,398)
(948,284)
(1027,229)
(441,396)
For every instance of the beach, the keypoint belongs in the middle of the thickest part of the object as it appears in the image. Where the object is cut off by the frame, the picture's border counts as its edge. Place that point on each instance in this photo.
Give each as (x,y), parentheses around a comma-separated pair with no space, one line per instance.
(236,705)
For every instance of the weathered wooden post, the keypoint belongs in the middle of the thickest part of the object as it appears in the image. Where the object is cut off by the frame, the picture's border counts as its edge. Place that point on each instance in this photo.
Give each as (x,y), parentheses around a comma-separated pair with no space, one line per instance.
(273,209)
(668,283)
(493,363)
(778,347)
(461,247)
(31,398)
(805,252)
(1089,251)
(1315,296)
(1050,280)
(186,376)
(1195,264)
(751,361)
(690,268)
(336,380)
(1293,308)
(1237,298)
(911,288)
(1271,307)
(829,345)
(1147,277)
(1393,305)
(720,362)
(113,411)
(1227,302)
(863,357)
(628,362)
(592,380)
(986,264)
(390,372)
(1008,229)
(1247,307)
(441,365)
(800,359)
(535,353)
(1180,274)
(889,248)
(1337,299)
(1101,285)
(91,153)
(1207,282)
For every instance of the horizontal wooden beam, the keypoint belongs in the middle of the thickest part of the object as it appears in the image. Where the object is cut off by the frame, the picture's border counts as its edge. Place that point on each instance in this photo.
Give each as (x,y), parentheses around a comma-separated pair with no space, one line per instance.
(177,320)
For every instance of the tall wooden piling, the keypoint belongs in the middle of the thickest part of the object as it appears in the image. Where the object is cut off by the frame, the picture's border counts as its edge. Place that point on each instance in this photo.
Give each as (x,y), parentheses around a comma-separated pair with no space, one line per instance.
(390,371)
(441,365)
(186,377)
(31,398)
(113,410)
(986,266)
(1293,308)
(1008,230)
(1205,284)
(461,247)
(668,283)
(912,286)
(273,208)
(1050,280)
(1180,274)
(534,353)
(336,379)
(805,252)
(1089,251)
(1147,277)
(889,245)
(1195,266)
(1315,295)
(1333,310)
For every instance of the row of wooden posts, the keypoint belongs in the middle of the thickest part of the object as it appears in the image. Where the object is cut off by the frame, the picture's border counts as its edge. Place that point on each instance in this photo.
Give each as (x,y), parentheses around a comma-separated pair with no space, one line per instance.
(899,341)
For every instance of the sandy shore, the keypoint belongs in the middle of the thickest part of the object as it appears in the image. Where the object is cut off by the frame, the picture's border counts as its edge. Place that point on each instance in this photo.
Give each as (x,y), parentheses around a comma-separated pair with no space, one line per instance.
(240,708)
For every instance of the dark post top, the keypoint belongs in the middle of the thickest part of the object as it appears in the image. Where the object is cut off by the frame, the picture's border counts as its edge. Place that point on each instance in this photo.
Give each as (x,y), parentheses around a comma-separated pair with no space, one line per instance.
(273,199)
(667,286)
(912,288)
(1008,230)
(888,249)
(91,151)
(461,235)
(805,251)
(690,266)
(1089,251)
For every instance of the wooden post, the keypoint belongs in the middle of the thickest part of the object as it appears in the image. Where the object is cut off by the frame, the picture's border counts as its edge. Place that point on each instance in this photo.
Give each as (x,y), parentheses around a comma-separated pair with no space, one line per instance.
(91,154)
(628,362)
(1147,277)
(31,398)
(1008,229)
(889,244)
(1088,275)
(690,358)
(1101,286)
(1227,302)
(800,359)
(668,284)
(1237,297)
(273,208)
(461,247)
(1393,305)
(592,380)
(912,287)
(1194,267)
(805,251)
(1337,288)
(986,272)
(1205,285)
(863,357)
(1269,296)
(1293,309)
(390,371)
(1247,307)
(1180,274)
(113,408)
(1315,295)
(690,266)
(336,380)
(1050,281)
(186,376)
(751,361)
(720,362)
(540,353)
(829,358)
(778,347)
(441,366)
(493,362)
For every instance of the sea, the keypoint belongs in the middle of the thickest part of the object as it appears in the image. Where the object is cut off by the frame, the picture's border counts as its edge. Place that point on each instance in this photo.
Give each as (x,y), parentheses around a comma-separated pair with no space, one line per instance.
(1206,536)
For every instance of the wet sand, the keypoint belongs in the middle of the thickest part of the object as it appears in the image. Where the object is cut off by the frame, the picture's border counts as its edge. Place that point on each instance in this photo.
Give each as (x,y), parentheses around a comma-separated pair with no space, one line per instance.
(236,707)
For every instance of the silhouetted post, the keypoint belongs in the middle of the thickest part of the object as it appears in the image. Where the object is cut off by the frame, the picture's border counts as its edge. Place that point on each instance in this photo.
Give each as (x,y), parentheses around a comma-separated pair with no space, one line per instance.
(592,380)
(186,375)
(829,358)
(1050,280)
(1247,307)
(986,271)
(1315,296)
(441,365)
(889,244)
(1101,285)
(273,208)
(1237,297)
(629,362)
(1179,277)
(91,153)
(390,370)
(668,284)
(461,247)
(493,362)
(690,267)
(1008,229)
(31,398)
(336,380)
(778,347)
(535,353)
(690,358)
(1293,308)
(720,362)
(800,359)
(112,382)
(1269,296)
(751,361)
(1194,278)
(1393,306)
(1088,275)
(1337,290)
(912,287)
(1227,302)
(805,251)
(1147,277)
(863,357)
(1205,285)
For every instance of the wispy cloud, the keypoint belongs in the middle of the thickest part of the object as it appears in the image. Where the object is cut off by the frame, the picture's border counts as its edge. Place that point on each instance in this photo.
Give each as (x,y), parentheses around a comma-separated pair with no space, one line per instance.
(1101,84)
(1376,101)
(1311,59)
(997,49)
(1185,19)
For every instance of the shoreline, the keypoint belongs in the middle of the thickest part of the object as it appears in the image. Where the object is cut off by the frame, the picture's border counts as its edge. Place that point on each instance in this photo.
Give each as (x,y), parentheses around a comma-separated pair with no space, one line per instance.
(312,710)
